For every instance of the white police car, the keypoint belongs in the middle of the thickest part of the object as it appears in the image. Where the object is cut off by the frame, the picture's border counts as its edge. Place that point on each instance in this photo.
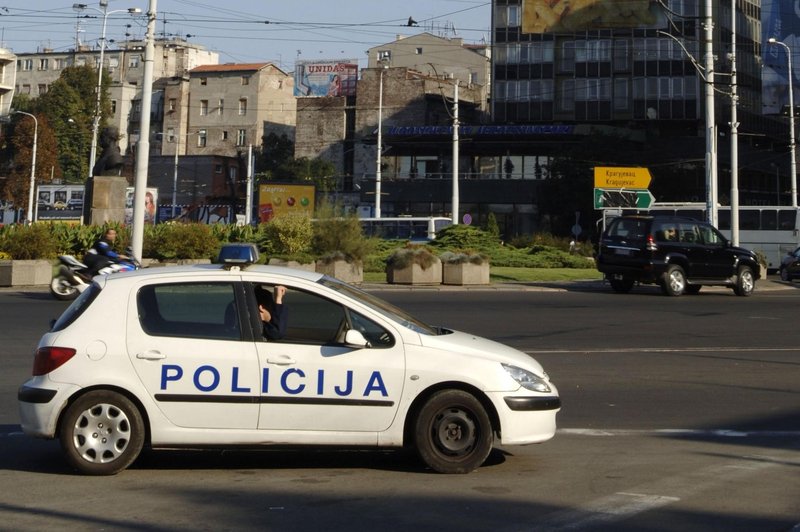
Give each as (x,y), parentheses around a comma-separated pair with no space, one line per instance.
(174,357)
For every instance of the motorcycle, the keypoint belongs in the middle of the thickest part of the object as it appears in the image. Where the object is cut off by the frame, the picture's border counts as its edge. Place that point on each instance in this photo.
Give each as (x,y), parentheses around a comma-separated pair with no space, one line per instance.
(74,276)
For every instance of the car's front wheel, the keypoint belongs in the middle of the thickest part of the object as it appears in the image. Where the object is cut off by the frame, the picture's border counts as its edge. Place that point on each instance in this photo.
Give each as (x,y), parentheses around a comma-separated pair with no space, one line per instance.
(745,282)
(674,282)
(453,433)
(102,433)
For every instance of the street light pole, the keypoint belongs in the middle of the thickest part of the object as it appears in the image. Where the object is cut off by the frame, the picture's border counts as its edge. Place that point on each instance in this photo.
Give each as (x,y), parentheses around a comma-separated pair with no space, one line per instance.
(96,122)
(379,146)
(29,216)
(793,161)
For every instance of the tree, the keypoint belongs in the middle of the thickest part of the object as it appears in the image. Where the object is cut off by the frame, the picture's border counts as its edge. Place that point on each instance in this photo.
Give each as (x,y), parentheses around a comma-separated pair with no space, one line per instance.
(16,188)
(64,106)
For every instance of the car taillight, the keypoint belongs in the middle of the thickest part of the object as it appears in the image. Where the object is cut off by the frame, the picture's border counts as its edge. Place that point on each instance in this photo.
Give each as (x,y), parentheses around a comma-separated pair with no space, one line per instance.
(651,243)
(49,358)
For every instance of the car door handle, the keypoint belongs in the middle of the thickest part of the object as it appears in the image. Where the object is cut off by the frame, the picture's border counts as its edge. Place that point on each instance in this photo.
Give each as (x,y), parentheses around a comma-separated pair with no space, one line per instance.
(151,355)
(281,360)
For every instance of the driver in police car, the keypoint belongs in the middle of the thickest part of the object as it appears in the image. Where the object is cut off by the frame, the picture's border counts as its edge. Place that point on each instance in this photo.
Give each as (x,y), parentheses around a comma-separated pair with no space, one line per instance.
(272,311)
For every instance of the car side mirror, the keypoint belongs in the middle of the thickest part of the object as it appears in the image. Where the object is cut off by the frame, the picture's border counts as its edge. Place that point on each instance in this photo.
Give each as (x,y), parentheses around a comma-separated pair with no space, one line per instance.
(354,338)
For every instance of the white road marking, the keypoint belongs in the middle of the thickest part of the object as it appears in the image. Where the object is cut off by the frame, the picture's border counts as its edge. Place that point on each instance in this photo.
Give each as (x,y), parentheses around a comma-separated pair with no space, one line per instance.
(623,505)
(663,350)
(719,433)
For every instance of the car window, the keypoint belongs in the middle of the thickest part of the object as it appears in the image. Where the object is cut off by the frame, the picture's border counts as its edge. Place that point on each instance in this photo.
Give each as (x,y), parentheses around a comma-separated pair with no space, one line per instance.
(190,310)
(689,233)
(710,236)
(376,335)
(312,319)
(629,228)
(77,307)
(666,232)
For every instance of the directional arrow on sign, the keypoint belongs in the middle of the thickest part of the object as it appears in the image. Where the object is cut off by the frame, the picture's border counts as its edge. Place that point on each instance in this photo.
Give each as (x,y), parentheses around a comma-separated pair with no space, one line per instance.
(623,198)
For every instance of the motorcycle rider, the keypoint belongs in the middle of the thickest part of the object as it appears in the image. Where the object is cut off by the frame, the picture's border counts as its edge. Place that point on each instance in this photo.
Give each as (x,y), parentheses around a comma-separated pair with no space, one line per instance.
(102,253)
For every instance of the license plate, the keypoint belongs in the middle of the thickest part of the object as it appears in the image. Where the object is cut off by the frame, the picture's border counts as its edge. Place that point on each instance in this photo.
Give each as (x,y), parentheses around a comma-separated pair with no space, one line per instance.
(620,251)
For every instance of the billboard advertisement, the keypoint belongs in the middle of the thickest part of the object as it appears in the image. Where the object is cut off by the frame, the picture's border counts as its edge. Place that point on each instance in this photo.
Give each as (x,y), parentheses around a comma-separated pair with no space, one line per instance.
(336,77)
(277,199)
(553,16)
(150,202)
(783,25)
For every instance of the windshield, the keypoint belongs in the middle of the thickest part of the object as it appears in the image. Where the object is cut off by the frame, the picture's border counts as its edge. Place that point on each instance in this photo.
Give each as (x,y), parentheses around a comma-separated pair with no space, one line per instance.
(379,305)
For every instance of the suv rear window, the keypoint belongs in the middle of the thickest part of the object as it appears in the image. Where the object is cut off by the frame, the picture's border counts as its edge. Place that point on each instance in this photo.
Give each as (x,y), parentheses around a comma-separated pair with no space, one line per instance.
(629,228)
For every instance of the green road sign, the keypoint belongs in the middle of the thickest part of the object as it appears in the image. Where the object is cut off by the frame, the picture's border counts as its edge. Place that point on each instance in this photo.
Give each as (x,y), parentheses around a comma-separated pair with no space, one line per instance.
(605,198)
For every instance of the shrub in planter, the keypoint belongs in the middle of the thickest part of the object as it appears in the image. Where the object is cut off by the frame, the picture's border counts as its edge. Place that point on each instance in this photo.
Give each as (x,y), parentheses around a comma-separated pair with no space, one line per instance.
(464,268)
(413,265)
(28,242)
(285,236)
(180,241)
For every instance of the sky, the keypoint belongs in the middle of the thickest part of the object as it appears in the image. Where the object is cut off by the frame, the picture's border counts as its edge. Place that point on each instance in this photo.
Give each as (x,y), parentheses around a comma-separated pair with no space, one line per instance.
(247,31)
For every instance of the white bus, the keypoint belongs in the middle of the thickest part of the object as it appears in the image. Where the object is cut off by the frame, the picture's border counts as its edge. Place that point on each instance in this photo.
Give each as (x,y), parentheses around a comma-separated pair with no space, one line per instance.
(416,229)
(771,230)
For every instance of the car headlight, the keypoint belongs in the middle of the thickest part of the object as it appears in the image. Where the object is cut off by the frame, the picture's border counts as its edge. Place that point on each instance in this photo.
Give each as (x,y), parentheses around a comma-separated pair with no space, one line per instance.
(526,379)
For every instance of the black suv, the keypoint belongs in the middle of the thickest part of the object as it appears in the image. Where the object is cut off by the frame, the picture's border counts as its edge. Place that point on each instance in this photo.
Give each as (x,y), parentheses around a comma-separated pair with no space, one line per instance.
(679,254)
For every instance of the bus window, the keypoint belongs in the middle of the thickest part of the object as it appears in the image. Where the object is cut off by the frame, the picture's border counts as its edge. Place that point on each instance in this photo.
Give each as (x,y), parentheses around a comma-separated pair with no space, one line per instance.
(749,219)
(787,219)
(769,219)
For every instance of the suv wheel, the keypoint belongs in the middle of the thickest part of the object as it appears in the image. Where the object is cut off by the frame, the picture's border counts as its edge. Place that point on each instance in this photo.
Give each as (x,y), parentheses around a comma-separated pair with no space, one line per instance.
(785,274)
(623,286)
(745,282)
(674,282)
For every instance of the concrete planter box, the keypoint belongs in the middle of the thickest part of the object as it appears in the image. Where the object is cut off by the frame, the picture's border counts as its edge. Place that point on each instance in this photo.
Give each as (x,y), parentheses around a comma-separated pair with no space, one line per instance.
(311,267)
(466,273)
(25,272)
(349,272)
(414,274)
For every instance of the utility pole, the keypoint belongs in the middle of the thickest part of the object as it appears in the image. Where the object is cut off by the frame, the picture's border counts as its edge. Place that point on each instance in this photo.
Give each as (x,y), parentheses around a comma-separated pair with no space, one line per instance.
(734,135)
(711,128)
(454,201)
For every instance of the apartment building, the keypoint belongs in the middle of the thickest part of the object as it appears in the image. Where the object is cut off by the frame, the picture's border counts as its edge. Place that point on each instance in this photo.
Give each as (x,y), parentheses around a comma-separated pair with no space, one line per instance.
(125,67)
(223,109)
(8,68)
(446,58)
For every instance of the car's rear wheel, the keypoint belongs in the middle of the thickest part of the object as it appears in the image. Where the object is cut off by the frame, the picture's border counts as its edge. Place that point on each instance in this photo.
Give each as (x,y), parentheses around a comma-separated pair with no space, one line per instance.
(102,433)
(785,274)
(674,282)
(745,282)
(453,433)
(623,286)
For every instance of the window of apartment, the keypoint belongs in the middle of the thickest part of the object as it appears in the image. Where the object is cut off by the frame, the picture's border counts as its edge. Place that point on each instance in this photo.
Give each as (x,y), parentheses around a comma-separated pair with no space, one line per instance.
(473,77)
(172,105)
(232,173)
(42,89)
(512,52)
(220,106)
(418,50)
(203,107)
(44,64)
(621,58)
(136,107)
(593,51)
(621,95)
(567,57)
(217,168)
(171,134)
(26,88)
(134,60)
(60,63)
(567,101)
(202,138)
(507,16)
(242,106)
(245,80)
(225,135)
(203,81)
(241,137)
(113,107)
(26,64)
(80,61)
(384,55)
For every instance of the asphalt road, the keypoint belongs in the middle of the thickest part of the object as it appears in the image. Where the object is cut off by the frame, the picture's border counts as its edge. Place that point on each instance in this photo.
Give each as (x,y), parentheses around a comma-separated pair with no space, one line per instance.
(678,414)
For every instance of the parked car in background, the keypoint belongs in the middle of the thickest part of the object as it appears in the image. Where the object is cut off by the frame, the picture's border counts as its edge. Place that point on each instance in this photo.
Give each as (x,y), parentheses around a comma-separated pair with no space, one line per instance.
(75,203)
(60,205)
(790,266)
(679,254)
